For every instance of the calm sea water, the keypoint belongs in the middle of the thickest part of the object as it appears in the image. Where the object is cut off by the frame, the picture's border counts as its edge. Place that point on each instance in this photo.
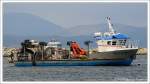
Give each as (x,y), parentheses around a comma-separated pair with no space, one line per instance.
(136,72)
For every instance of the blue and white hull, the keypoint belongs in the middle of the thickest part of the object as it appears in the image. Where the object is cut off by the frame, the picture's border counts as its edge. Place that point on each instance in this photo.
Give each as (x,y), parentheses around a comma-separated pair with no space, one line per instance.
(75,62)
(121,57)
(120,54)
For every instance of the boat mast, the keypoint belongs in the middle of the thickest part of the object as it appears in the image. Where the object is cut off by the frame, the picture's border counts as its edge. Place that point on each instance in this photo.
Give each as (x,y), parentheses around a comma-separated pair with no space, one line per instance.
(111,30)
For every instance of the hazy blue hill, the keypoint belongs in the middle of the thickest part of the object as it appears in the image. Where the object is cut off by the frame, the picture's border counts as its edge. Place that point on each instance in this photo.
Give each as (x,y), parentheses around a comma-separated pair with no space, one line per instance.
(87,29)
(29,25)
(14,41)
(20,26)
(137,33)
(90,29)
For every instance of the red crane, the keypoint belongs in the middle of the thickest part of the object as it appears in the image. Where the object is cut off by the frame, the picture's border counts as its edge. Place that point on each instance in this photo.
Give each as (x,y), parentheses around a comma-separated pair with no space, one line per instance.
(76,50)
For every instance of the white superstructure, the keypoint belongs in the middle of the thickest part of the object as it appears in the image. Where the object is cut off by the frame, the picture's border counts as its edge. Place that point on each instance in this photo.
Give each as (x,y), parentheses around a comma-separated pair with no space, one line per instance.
(111,41)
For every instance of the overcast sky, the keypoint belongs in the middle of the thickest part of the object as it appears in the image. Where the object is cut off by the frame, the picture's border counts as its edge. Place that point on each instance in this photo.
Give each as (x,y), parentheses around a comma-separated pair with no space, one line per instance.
(72,14)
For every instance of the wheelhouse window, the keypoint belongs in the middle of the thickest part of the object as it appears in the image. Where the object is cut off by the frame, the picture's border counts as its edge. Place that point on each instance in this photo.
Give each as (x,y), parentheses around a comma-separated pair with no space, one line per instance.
(108,42)
(124,42)
(121,42)
(114,42)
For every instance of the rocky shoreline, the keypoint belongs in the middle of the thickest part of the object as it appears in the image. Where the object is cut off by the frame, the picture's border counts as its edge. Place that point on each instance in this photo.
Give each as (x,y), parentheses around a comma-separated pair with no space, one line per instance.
(7,51)
(142,51)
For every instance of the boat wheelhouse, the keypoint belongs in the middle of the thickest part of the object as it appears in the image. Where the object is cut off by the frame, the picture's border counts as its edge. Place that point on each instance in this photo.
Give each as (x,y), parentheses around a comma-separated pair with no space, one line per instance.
(111,40)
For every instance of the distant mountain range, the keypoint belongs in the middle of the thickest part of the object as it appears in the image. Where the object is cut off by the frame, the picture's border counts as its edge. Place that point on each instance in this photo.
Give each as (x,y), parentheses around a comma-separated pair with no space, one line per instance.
(20,26)
(30,25)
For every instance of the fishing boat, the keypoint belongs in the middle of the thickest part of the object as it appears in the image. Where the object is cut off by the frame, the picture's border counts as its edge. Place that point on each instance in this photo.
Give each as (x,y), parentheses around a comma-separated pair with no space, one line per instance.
(113,49)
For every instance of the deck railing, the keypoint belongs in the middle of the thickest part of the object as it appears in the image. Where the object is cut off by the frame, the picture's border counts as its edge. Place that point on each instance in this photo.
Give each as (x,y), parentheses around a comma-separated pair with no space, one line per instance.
(132,44)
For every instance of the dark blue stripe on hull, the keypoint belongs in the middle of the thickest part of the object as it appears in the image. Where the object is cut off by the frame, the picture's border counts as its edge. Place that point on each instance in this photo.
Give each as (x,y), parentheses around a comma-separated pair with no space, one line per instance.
(24,64)
(77,63)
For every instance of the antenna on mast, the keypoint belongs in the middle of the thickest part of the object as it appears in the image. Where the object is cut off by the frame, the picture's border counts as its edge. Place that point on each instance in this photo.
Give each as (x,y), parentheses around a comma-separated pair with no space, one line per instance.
(111,30)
